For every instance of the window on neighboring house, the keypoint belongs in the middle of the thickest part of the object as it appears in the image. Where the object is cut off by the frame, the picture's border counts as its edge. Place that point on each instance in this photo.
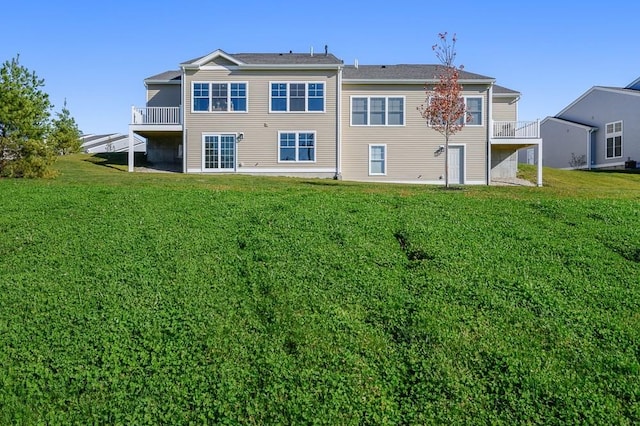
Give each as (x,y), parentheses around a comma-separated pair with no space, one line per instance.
(377,159)
(377,111)
(297,97)
(220,97)
(614,139)
(297,146)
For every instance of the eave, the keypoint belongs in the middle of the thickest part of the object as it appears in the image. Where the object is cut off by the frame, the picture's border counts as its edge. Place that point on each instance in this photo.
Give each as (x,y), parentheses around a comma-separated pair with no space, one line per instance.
(410,81)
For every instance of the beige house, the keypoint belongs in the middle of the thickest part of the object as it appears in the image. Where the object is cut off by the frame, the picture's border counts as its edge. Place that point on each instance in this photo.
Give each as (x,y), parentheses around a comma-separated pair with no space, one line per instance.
(309,115)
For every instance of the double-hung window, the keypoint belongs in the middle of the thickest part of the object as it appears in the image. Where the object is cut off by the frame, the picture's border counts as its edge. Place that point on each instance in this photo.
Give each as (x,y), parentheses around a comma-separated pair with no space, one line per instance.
(473,111)
(297,97)
(377,111)
(377,159)
(297,147)
(614,139)
(201,96)
(219,97)
(473,108)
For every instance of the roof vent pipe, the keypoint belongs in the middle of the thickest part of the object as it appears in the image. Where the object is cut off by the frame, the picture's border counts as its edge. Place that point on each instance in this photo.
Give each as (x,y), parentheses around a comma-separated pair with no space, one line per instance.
(355,64)
(311,50)
(326,50)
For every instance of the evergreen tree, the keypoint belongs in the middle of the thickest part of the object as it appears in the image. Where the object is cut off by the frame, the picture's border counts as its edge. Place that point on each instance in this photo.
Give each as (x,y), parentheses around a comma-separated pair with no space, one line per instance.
(24,122)
(65,135)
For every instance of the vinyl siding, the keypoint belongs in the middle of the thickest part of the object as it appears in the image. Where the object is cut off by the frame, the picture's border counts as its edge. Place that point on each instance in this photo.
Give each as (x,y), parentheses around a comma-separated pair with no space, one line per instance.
(259,148)
(561,141)
(411,149)
(163,95)
(601,107)
(505,109)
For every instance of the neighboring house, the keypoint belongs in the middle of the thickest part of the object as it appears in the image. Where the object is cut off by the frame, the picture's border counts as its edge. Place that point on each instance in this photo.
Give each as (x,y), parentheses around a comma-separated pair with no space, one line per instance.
(310,115)
(600,129)
(112,142)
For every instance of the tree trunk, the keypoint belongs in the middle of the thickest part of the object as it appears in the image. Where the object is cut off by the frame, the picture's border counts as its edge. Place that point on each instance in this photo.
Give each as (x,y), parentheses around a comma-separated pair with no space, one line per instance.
(446,161)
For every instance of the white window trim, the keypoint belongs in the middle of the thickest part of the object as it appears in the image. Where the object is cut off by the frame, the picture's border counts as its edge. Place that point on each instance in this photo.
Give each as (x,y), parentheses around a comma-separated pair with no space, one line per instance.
(384,145)
(465,124)
(386,111)
(464,99)
(235,152)
(306,97)
(296,147)
(228,83)
(613,135)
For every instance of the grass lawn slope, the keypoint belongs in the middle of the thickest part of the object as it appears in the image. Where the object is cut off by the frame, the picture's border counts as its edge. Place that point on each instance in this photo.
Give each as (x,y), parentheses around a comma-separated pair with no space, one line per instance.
(175,299)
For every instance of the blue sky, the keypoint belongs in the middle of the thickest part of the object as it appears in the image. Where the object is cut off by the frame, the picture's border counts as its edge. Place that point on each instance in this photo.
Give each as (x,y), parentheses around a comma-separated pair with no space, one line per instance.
(96,54)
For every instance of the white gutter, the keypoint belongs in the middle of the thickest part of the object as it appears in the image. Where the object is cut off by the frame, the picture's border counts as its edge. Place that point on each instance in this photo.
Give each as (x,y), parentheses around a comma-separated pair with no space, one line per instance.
(339,125)
(411,81)
(184,121)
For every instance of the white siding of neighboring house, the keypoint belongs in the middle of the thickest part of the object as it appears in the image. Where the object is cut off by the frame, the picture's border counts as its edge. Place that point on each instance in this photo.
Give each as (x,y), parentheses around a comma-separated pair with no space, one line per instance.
(597,108)
(565,144)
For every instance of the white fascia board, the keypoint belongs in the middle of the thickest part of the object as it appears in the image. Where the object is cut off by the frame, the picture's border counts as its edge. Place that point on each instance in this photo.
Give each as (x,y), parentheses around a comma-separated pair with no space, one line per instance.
(162,82)
(507,95)
(208,58)
(633,83)
(620,91)
(569,123)
(572,104)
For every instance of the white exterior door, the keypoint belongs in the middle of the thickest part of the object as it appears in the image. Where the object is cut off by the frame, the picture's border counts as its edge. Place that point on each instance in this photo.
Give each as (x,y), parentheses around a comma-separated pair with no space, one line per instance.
(531,156)
(456,164)
(219,153)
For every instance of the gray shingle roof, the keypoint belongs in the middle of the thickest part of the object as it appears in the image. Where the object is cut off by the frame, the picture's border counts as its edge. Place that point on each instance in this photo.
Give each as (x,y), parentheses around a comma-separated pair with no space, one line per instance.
(287,58)
(401,72)
(501,90)
(166,76)
(281,58)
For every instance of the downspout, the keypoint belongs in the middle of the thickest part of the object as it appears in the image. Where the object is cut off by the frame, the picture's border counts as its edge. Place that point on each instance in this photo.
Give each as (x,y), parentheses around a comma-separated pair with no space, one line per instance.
(489,131)
(339,125)
(589,135)
(183,116)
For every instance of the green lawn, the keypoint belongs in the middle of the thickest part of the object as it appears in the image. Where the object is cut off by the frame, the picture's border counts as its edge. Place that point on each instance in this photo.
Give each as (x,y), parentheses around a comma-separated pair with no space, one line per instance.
(176,299)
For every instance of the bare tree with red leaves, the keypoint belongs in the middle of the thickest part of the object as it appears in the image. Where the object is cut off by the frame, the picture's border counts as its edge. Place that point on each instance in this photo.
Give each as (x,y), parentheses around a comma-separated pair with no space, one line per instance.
(444,108)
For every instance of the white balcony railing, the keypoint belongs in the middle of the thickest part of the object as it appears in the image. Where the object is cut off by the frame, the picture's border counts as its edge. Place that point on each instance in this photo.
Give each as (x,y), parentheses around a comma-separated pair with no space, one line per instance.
(516,129)
(156,115)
